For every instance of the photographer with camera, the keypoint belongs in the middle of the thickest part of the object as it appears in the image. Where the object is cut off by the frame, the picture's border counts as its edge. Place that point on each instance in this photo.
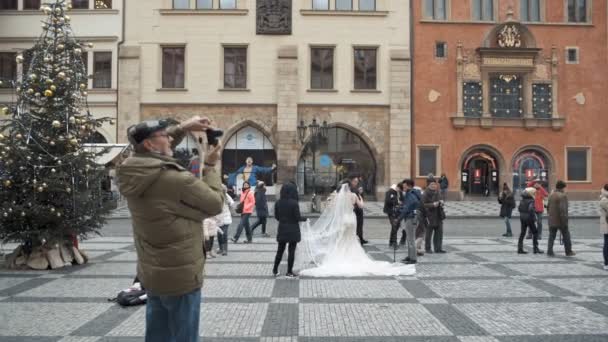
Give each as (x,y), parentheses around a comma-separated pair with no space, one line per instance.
(434,214)
(167,205)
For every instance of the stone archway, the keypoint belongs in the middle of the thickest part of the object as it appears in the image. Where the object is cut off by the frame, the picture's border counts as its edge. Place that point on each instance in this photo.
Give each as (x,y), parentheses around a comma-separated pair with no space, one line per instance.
(532,162)
(482,168)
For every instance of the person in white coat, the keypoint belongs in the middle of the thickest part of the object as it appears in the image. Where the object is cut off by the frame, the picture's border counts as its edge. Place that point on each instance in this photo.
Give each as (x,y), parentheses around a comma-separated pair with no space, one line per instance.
(224,222)
(604,221)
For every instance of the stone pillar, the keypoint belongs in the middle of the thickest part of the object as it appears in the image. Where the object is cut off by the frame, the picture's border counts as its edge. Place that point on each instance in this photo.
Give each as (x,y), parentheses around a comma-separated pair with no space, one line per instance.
(129,90)
(287,112)
(400,128)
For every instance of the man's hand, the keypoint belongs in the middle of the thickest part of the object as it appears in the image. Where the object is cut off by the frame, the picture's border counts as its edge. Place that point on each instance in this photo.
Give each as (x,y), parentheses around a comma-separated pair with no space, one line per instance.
(213,155)
(195,124)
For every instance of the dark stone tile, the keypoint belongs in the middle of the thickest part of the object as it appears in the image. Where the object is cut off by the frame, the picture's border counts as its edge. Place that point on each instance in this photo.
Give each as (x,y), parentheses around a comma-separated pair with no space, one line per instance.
(105,322)
(418,289)
(550,288)
(472,257)
(554,338)
(381,339)
(30,338)
(281,320)
(25,286)
(457,322)
(286,288)
(56,300)
(596,307)
(236,300)
(357,300)
(507,300)
(503,269)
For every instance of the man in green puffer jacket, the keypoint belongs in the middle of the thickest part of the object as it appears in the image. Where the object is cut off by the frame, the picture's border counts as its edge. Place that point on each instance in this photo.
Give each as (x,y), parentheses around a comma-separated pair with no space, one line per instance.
(167,205)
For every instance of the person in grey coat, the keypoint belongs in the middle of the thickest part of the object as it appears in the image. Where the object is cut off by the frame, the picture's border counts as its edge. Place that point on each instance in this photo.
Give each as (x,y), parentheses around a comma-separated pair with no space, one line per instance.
(261,208)
(435,214)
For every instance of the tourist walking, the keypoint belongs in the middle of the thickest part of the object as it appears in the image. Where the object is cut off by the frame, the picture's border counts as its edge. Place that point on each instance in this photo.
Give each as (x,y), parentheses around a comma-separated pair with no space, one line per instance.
(247,204)
(261,208)
(604,221)
(225,219)
(434,213)
(443,186)
(411,203)
(527,218)
(287,212)
(507,204)
(167,205)
(557,209)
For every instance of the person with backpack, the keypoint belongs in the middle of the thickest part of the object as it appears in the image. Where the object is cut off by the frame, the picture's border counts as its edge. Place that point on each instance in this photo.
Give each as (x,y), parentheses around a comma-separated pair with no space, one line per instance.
(432,205)
(261,208)
(245,208)
(507,204)
(392,201)
(411,203)
(527,218)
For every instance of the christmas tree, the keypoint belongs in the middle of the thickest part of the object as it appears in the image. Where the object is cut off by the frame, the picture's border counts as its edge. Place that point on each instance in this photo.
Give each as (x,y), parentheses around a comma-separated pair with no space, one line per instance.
(50,186)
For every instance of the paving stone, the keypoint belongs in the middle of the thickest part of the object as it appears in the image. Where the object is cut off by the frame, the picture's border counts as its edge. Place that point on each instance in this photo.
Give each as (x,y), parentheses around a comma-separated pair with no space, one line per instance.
(252,247)
(432,301)
(9,282)
(595,257)
(126,256)
(238,269)
(238,256)
(46,319)
(550,269)
(279,339)
(533,318)
(24,286)
(91,246)
(79,339)
(503,288)
(477,339)
(284,300)
(484,248)
(100,269)
(512,256)
(281,320)
(454,270)
(286,288)
(319,288)
(585,287)
(330,320)
(454,320)
(238,288)
(112,239)
(71,287)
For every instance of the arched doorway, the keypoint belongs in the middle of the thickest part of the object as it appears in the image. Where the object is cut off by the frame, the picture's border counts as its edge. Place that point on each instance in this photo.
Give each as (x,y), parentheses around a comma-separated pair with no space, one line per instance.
(247,142)
(96,138)
(480,173)
(340,154)
(530,164)
(186,150)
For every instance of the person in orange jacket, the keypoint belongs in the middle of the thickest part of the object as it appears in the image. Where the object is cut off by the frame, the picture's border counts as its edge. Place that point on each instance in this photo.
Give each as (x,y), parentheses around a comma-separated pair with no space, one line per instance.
(539,207)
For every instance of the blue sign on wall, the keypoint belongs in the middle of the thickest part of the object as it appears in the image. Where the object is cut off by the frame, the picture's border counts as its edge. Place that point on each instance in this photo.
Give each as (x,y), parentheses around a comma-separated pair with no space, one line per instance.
(325,160)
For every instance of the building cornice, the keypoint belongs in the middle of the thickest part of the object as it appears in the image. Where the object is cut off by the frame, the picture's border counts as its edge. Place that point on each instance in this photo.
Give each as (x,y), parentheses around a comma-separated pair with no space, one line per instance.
(71,12)
(35,39)
(493,23)
(203,12)
(344,13)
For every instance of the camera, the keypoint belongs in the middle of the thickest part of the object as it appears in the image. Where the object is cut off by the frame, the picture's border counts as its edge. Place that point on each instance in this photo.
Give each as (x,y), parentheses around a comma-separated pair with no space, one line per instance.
(213,135)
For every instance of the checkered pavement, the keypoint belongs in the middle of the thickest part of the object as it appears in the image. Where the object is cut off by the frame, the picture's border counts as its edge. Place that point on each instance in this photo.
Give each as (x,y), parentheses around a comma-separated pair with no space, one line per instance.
(481,291)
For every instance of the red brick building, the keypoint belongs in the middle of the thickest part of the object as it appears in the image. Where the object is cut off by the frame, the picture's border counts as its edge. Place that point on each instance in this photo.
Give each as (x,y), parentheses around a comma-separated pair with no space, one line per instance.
(505,91)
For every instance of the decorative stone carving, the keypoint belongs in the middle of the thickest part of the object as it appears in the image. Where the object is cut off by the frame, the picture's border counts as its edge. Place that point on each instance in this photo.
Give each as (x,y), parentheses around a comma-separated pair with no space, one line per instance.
(580,98)
(509,37)
(541,72)
(471,71)
(434,95)
(273,17)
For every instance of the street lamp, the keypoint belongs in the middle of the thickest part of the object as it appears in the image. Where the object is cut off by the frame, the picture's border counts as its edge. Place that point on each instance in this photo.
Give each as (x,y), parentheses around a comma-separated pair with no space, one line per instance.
(317,134)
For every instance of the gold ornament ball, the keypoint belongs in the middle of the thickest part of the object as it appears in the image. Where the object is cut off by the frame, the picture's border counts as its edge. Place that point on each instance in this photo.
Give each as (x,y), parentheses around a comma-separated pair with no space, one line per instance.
(90,45)
(1,137)
(61,75)
(40,189)
(77,52)
(60,47)
(56,124)
(84,93)
(53,87)
(30,91)
(57,10)
(52,210)
(44,185)
(33,77)
(5,214)
(112,122)
(68,190)
(74,141)
(52,143)
(49,81)
(7,183)
(23,214)
(19,59)
(53,170)
(72,120)
(47,10)
(83,86)
(67,18)
(58,214)
(18,136)
(5,110)
(37,94)
(48,93)
(18,90)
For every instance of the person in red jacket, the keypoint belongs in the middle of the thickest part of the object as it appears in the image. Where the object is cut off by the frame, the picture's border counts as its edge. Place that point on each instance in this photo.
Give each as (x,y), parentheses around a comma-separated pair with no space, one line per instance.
(539,207)
(248,200)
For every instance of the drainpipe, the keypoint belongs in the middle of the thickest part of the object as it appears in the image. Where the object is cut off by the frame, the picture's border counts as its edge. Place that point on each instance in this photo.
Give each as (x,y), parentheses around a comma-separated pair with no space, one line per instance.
(120,42)
(412,61)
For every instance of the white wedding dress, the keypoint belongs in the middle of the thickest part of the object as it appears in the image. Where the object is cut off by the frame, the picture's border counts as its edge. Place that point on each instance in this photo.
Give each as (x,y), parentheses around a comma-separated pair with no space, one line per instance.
(331,248)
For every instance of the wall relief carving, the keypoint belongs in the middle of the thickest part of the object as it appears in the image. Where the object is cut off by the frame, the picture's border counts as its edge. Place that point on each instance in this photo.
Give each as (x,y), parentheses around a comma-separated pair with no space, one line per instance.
(273,17)
(471,71)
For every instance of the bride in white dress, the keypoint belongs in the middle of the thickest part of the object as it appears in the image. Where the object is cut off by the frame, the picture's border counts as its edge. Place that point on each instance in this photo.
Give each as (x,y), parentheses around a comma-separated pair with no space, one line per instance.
(330,247)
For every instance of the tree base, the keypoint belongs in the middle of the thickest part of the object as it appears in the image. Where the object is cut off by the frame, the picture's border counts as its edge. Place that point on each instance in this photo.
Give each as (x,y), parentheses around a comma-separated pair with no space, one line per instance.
(45,257)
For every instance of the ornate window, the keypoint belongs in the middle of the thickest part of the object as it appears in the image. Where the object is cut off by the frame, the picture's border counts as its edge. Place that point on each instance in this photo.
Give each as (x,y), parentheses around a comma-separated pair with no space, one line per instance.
(472,99)
(435,9)
(542,103)
(530,10)
(506,96)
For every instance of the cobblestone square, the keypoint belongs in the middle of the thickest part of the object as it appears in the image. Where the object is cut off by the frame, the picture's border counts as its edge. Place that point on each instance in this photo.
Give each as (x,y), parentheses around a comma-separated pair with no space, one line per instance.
(480,291)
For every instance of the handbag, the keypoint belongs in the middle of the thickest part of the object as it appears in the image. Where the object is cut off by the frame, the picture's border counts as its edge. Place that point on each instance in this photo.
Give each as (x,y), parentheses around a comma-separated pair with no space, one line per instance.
(241,206)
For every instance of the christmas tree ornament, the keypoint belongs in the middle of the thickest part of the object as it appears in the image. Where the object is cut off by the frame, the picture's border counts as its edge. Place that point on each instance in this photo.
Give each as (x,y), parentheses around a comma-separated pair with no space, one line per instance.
(37,94)
(77,52)
(30,91)
(83,86)
(68,190)
(52,143)
(19,59)
(60,47)
(40,189)
(7,183)
(56,124)
(48,81)
(18,136)
(23,214)
(44,185)
(53,88)
(33,77)
(90,45)
(5,110)
(74,141)
(61,75)
(1,137)
(57,10)
(72,120)
(52,209)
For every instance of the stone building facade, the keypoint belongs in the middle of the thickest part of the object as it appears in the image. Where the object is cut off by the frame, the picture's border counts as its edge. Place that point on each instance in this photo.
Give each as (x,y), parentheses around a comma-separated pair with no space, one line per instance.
(97,22)
(507,91)
(259,68)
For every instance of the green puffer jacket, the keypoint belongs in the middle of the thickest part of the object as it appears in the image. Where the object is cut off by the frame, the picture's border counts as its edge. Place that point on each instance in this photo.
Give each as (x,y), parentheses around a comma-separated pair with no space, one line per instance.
(167,205)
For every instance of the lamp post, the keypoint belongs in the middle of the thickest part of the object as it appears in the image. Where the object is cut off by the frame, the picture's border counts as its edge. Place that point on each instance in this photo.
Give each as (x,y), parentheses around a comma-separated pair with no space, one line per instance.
(317,134)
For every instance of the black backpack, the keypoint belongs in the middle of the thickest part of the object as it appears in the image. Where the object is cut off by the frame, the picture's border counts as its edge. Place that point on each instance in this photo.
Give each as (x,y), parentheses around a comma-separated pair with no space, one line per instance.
(132,296)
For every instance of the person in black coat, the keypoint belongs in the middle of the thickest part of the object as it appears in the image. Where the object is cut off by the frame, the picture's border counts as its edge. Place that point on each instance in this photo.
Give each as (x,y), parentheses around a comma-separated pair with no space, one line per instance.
(287,212)
(507,204)
(391,209)
(261,208)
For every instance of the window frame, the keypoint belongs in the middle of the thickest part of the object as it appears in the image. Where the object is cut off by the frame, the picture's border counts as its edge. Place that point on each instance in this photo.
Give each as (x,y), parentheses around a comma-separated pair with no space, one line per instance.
(180,8)
(333,66)
(567,54)
(203,8)
(223,74)
(437,149)
(445,50)
(588,12)
(447,8)
(94,72)
(481,11)
(352,4)
(88,2)
(236,5)
(162,53)
(541,12)
(588,166)
(314,8)
(368,10)
(14,67)
(34,8)
(354,65)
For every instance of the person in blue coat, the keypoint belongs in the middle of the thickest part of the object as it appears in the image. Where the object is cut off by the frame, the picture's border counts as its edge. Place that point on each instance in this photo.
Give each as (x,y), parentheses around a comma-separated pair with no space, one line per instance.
(250,172)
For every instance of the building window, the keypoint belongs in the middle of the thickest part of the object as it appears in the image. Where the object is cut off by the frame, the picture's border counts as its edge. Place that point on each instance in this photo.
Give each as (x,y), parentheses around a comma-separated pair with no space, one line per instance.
(173,67)
(80,4)
(31,4)
(228,4)
(578,164)
(427,160)
(322,68)
(8,69)
(483,10)
(102,70)
(103,4)
(367,5)
(542,103)
(8,5)
(472,101)
(204,4)
(235,67)
(506,96)
(181,4)
(365,68)
(530,10)
(344,5)
(577,11)
(441,50)
(435,9)
(572,56)
(320,5)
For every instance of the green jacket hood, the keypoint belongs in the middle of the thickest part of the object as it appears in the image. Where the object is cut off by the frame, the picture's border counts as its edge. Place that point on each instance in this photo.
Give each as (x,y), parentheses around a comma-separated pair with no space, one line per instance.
(140,171)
